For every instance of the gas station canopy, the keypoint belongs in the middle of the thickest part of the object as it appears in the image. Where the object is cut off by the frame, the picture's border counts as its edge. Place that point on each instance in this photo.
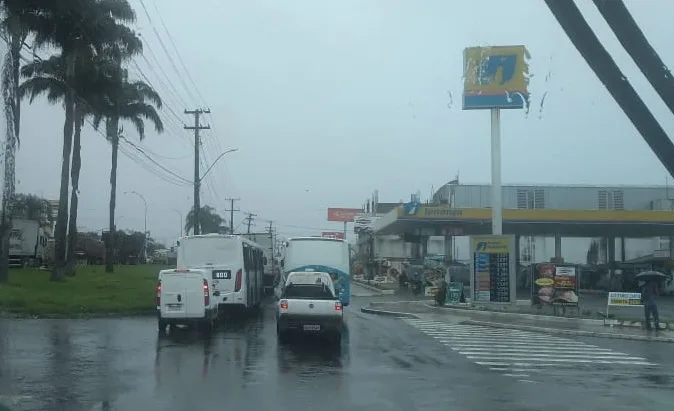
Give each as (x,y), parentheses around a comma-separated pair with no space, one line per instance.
(414,218)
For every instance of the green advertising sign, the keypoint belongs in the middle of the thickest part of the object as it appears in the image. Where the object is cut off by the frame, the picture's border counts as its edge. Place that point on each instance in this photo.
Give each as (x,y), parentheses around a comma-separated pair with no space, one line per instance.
(454,293)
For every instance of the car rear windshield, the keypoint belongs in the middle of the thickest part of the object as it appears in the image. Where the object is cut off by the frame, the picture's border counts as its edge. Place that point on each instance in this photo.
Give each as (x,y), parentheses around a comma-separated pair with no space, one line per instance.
(308,292)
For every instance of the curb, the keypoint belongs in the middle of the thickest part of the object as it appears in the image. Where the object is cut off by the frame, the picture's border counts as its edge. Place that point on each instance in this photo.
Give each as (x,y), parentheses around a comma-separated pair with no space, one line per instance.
(549,318)
(387,313)
(76,316)
(558,331)
(373,288)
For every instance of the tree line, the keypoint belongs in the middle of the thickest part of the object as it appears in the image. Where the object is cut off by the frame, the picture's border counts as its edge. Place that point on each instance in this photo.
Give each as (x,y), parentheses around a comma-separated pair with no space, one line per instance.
(91,43)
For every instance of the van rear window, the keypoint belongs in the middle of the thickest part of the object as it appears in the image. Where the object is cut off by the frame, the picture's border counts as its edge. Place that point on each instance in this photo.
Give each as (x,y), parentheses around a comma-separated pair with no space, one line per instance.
(308,292)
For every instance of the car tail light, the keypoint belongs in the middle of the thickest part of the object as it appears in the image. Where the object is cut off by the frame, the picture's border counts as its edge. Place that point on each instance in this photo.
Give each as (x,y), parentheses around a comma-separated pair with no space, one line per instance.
(338,306)
(284,304)
(158,294)
(207,294)
(237,281)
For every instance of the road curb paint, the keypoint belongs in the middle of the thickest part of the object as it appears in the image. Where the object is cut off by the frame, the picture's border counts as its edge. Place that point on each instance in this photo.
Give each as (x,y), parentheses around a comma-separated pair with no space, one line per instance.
(549,318)
(387,313)
(574,321)
(559,331)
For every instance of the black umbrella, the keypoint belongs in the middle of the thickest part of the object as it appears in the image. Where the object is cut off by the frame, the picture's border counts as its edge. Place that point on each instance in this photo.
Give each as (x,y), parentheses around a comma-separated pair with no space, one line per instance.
(650,276)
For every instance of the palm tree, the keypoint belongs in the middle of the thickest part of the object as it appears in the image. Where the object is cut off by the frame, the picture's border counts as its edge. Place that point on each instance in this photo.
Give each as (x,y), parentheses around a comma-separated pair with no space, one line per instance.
(31,207)
(79,28)
(14,33)
(209,220)
(133,101)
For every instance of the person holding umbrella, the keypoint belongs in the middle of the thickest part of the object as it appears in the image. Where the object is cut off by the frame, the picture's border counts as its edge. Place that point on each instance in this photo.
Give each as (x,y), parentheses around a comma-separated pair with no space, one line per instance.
(649,282)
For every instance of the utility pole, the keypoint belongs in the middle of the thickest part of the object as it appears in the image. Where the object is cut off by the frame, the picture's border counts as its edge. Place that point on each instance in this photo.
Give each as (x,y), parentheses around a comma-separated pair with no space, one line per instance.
(197,179)
(231,213)
(250,217)
(272,245)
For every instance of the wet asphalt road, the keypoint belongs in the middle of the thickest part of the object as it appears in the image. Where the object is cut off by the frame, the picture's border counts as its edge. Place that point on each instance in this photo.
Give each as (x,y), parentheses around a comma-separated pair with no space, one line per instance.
(383,364)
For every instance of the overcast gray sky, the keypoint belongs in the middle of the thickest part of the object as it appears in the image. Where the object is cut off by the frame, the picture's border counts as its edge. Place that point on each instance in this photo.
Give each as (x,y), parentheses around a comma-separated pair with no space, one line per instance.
(329,100)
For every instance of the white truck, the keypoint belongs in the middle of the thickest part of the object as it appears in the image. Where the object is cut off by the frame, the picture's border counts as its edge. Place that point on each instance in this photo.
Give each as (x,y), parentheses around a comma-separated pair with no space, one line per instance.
(184,298)
(309,304)
(27,242)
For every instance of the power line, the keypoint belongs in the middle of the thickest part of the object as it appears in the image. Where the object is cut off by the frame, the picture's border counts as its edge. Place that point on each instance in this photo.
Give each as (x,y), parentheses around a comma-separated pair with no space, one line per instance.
(126,152)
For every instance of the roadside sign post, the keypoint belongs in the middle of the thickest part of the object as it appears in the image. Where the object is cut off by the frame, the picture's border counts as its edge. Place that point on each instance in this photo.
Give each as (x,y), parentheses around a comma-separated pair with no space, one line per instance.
(496,193)
(618,299)
(495,78)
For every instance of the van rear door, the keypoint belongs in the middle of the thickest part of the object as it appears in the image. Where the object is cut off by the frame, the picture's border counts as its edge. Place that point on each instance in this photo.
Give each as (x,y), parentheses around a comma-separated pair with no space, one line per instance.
(182,294)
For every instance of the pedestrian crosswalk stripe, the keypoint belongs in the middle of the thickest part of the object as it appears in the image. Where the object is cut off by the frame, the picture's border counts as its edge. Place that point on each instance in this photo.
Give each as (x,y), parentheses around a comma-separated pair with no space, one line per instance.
(517,353)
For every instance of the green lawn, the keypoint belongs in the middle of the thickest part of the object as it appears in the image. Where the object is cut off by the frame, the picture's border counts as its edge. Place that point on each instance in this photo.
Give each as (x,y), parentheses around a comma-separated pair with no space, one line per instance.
(129,290)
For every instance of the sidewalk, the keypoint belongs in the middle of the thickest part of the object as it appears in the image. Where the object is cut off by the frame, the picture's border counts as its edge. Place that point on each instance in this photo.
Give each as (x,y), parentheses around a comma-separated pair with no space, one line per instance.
(579,330)
(536,323)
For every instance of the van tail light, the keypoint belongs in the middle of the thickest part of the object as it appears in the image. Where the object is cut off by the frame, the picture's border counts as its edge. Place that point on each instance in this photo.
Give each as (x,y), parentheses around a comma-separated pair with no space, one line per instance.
(207,294)
(237,281)
(158,294)
(284,304)
(338,306)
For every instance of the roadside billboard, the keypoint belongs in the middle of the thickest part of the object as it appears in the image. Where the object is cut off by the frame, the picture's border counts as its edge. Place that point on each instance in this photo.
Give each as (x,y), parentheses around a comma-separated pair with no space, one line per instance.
(554,284)
(495,77)
(343,215)
(363,222)
(493,268)
(333,234)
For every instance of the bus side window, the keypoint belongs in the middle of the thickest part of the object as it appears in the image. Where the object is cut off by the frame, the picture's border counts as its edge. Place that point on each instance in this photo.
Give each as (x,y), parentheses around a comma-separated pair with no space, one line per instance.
(260,266)
(246,258)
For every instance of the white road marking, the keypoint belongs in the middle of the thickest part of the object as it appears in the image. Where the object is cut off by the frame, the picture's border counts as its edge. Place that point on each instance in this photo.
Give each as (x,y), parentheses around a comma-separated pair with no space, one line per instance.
(519,354)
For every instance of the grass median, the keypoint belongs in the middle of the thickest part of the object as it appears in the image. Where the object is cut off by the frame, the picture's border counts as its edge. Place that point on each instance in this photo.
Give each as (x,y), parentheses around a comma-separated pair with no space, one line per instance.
(129,290)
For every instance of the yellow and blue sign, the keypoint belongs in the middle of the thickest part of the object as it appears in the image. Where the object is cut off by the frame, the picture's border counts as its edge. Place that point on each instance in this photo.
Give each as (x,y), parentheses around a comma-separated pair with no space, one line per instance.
(495,77)
(491,244)
(448,213)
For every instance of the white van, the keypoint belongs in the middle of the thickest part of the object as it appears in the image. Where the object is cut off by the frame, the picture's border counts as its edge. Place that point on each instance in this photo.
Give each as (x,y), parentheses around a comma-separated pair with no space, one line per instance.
(184,298)
(235,267)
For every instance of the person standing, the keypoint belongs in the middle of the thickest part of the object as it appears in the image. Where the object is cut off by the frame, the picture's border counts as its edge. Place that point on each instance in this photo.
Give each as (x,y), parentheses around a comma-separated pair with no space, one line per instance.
(648,295)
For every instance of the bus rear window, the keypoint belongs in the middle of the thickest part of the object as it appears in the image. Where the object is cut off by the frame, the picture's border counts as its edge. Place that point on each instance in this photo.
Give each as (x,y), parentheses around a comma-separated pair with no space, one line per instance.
(216,251)
(308,292)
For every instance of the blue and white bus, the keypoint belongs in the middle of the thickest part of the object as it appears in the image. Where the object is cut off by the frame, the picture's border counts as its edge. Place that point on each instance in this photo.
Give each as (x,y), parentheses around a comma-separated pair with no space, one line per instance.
(328,255)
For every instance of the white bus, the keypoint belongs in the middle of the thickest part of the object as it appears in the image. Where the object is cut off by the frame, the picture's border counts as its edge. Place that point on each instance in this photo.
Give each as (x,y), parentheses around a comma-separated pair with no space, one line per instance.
(321,254)
(236,265)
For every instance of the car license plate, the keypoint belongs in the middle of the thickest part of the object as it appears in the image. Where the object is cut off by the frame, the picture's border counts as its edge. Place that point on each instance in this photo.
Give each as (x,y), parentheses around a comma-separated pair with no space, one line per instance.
(174,307)
(312,327)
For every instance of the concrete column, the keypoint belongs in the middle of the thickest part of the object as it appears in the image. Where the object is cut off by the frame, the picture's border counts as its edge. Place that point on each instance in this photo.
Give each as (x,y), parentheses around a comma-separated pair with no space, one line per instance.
(611,249)
(558,246)
(449,248)
(622,249)
(424,245)
(517,259)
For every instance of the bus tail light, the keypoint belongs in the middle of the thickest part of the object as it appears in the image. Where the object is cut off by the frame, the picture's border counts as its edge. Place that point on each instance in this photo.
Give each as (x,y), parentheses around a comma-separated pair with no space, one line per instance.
(237,281)
(284,304)
(207,294)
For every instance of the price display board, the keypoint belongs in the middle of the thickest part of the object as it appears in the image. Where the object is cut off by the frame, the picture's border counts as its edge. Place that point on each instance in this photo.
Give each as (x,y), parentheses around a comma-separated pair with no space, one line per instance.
(493,268)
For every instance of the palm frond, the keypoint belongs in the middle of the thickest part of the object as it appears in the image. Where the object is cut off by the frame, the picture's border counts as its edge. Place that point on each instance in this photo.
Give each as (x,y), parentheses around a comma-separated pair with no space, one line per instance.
(142,110)
(34,87)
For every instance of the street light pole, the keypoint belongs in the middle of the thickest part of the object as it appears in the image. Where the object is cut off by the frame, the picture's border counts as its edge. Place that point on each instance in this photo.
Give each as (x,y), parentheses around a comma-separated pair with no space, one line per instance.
(181,220)
(215,161)
(145,231)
